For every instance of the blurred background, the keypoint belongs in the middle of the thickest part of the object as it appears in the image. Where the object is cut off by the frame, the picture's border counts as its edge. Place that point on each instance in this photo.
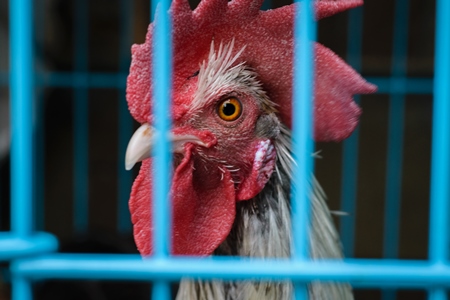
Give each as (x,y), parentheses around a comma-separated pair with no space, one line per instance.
(82,126)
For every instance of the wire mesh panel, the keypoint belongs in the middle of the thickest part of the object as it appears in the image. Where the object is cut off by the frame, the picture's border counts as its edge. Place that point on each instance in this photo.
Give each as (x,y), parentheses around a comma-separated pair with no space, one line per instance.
(87,93)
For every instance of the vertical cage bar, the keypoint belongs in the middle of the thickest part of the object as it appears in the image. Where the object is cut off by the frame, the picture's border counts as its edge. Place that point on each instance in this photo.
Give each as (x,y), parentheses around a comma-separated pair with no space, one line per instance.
(21,289)
(350,155)
(393,183)
(303,147)
(392,208)
(125,121)
(394,177)
(81,175)
(160,290)
(302,127)
(439,195)
(300,291)
(22,88)
(395,136)
(162,55)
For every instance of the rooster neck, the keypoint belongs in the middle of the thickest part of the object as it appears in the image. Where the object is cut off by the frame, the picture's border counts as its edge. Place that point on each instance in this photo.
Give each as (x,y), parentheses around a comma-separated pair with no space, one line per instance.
(262,228)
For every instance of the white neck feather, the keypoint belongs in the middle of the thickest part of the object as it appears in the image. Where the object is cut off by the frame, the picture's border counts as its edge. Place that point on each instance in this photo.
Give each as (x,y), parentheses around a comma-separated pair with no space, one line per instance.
(263,229)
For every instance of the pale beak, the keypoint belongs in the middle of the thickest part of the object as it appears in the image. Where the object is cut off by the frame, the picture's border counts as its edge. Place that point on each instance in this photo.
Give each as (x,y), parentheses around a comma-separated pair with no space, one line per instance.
(142,141)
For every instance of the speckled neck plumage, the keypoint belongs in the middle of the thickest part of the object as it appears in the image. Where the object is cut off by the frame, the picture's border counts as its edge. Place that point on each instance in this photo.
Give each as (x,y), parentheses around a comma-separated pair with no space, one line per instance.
(262,228)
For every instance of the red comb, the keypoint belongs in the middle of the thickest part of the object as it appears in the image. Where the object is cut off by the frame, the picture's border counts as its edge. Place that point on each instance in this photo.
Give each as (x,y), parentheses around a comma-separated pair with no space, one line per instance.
(268,40)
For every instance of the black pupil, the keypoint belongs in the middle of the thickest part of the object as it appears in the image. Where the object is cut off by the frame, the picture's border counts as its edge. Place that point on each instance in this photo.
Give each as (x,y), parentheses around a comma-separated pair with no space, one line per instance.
(228,109)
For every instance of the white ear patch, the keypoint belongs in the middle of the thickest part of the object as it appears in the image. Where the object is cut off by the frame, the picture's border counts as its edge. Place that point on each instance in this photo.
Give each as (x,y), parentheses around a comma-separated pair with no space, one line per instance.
(264,161)
(262,169)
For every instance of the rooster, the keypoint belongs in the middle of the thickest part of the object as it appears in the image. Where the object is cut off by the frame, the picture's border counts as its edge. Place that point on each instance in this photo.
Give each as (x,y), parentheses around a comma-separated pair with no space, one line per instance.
(231,110)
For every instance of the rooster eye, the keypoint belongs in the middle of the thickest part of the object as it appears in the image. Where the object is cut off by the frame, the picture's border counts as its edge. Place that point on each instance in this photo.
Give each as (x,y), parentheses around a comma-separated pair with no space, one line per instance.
(229,109)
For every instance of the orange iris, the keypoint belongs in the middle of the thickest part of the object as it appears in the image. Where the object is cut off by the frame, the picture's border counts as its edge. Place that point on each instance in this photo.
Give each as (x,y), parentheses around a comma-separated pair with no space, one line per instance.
(229,109)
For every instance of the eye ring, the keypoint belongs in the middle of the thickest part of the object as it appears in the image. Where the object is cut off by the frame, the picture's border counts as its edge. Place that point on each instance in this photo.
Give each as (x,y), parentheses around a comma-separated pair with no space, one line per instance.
(229,109)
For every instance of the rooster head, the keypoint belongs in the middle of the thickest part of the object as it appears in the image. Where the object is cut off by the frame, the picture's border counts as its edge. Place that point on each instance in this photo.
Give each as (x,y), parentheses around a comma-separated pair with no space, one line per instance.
(231,91)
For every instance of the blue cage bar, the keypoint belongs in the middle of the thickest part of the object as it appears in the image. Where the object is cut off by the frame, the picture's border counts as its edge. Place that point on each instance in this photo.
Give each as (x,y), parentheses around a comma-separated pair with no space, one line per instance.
(32,254)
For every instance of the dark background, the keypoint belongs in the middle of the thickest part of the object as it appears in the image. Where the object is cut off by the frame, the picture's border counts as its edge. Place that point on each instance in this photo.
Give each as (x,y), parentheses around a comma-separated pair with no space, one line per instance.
(54,48)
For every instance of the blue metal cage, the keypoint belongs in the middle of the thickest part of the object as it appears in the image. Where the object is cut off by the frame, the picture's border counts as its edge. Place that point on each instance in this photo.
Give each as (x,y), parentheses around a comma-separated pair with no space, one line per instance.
(31,254)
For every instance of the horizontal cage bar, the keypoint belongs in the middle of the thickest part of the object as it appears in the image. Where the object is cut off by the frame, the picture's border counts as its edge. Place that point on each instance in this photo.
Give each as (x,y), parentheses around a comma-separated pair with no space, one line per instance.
(360,272)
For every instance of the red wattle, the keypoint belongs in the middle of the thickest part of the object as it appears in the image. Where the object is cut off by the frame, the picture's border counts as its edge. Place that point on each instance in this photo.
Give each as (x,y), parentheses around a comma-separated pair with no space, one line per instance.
(203,212)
